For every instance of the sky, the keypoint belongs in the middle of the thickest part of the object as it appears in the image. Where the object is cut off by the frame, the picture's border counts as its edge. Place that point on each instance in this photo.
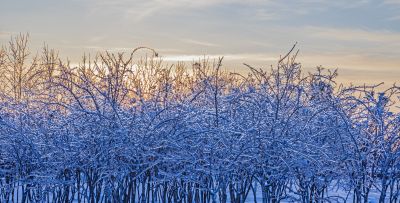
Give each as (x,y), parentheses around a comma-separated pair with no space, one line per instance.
(359,37)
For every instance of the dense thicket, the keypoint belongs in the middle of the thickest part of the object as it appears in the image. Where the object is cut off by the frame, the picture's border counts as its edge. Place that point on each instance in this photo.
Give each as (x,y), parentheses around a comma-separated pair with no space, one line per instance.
(117,129)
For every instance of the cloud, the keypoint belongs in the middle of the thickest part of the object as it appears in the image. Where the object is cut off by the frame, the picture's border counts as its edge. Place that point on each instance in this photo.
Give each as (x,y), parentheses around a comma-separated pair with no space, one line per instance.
(347,34)
(123,49)
(142,9)
(90,47)
(201,43)
(265,10)
(4,34)
(392,2)
(353,61)
(266,15)
(393,18)
(230,57)
(396,5)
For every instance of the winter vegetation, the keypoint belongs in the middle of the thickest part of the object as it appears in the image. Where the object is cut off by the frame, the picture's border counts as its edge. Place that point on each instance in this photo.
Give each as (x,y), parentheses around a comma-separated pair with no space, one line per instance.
(116,128)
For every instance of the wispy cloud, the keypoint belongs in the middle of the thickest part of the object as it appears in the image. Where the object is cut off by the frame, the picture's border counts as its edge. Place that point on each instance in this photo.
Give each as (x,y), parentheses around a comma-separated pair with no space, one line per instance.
(392,2)
(266,15)
(4,34)
(201,43)
(123,49)
(96,39)
(139,10)
(346,34)
(396,5)
(232,57)
(142,9)
(394,18)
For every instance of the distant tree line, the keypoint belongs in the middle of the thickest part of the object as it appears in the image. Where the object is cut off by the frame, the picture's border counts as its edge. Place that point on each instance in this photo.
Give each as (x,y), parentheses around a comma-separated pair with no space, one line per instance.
(119,129)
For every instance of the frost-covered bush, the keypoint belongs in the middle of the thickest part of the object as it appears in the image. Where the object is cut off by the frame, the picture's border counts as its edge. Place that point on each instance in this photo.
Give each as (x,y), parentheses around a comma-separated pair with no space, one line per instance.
(116,129)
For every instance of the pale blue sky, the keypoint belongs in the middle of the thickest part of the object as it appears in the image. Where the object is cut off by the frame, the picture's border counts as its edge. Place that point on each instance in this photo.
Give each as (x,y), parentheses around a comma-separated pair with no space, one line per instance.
(360,37)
